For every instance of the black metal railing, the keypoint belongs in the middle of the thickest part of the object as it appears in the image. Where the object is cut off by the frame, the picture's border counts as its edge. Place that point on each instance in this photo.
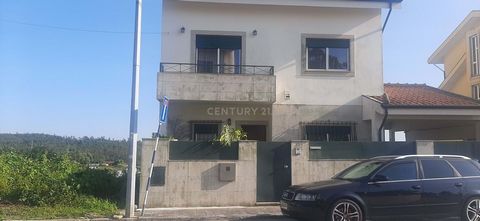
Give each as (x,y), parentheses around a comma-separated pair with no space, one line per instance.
(216,68)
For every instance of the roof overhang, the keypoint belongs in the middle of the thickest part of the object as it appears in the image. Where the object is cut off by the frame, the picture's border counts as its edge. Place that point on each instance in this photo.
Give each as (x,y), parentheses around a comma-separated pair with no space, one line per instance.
(312,3)
(472,21)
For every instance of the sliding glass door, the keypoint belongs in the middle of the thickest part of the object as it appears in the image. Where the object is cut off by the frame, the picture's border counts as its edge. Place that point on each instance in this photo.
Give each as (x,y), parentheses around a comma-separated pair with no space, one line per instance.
(218,54)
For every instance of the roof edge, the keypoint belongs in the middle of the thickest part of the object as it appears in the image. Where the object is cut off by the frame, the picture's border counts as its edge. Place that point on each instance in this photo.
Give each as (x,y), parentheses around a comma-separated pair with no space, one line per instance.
(437,57)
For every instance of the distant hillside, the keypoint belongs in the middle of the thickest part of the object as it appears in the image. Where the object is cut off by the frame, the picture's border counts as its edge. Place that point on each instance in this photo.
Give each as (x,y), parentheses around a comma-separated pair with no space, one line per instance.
(83,150)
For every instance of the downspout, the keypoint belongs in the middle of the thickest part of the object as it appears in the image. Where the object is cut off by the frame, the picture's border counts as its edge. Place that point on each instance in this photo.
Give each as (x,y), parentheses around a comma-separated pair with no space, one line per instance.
(390,4)
(385,116)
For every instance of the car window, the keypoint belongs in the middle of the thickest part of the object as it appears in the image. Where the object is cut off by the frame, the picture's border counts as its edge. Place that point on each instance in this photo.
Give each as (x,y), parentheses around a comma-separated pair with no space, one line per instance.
(465,167)
(436,169)
(360,170)
(400,171)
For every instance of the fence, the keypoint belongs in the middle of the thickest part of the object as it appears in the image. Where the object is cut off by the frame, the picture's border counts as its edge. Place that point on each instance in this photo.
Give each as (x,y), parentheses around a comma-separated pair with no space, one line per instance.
(359,150)
(188,150)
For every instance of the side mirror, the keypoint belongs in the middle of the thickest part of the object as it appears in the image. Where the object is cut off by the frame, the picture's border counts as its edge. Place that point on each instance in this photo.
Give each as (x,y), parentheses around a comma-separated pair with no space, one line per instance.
(379,178)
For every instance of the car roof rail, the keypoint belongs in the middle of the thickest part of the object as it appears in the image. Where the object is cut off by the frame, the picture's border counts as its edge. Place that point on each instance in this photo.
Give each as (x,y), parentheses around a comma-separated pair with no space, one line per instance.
(434,155)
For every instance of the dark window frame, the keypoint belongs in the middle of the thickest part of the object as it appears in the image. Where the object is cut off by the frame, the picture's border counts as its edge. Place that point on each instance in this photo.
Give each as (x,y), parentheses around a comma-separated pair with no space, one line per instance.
(350,72)
(193,123)
(351,125)
(417,169)
(455,173)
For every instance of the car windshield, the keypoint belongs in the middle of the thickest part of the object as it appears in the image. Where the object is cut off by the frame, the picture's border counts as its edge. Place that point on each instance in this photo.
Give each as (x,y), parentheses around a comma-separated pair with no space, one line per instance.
(360,170)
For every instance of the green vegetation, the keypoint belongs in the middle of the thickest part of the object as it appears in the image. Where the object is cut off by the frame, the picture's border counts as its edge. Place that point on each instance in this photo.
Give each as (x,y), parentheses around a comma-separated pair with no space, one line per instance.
(83,150)
(45,184)
(230,135)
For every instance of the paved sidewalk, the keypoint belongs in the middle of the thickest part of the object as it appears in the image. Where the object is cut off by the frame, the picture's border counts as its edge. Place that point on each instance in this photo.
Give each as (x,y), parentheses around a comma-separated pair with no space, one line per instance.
(215,213)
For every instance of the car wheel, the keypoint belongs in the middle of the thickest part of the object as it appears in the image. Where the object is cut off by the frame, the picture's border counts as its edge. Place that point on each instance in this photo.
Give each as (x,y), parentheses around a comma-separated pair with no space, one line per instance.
(471,212)
(345,210)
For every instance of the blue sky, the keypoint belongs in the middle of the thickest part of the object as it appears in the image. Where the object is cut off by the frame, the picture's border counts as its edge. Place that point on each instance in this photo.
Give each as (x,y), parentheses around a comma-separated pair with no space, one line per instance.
(77,83)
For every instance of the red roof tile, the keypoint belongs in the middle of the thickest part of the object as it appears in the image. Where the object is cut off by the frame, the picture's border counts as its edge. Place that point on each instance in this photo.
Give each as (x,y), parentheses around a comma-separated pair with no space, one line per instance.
(422,95)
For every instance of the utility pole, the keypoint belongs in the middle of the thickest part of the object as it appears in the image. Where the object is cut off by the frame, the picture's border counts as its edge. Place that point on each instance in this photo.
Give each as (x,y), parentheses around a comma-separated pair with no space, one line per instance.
(132,147)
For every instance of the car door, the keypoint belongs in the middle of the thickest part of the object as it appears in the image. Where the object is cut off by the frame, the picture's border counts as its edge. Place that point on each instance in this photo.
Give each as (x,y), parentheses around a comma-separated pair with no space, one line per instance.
(398,194)
(442,189)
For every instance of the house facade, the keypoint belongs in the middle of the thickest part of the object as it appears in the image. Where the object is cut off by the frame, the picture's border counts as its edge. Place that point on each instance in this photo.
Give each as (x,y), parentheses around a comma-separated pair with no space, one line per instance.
(280,70)
(459,55)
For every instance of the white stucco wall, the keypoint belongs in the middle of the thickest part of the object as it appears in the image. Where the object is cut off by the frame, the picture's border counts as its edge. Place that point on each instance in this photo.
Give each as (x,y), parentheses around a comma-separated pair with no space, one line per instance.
(278,43)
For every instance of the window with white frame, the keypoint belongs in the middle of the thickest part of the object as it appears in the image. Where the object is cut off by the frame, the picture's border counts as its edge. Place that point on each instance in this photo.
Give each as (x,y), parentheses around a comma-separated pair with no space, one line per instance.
(476,92)
(327,54)
(474,52)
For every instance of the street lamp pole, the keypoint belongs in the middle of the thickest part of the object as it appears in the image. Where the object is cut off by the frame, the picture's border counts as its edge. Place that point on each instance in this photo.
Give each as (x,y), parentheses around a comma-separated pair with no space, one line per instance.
(133,137)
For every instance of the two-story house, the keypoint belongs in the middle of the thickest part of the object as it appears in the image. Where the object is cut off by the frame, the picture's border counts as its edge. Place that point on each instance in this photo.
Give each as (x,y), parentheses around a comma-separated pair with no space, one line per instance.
(281,70)
(459,55)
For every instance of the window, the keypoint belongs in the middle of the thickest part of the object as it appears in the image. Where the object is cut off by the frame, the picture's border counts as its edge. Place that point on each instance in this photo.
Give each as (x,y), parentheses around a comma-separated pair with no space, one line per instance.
(465,168)
(330,131)
(360,170)
(474,55)
(205,131)
(327,54)
(436,169)
(400,171)
(476,92)
(218,53)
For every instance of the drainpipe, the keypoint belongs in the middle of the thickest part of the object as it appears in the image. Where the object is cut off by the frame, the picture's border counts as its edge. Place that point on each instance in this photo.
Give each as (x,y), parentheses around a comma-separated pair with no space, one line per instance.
(390,4)
(385,116)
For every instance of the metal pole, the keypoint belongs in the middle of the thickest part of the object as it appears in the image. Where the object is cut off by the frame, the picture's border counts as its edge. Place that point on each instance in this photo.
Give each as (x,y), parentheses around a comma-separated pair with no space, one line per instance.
(132,148)
(151,169)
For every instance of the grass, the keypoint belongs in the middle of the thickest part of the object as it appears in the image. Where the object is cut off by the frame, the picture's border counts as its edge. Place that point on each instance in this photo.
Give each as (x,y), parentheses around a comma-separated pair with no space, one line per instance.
(88,207)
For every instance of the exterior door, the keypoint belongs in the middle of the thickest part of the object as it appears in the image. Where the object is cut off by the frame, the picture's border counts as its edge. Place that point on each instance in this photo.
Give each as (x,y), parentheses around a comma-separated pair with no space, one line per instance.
(442,188)
(255,132)
(398,194)
(274,173)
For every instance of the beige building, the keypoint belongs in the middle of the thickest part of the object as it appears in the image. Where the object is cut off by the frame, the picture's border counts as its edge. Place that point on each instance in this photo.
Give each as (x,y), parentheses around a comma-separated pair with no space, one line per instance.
(459,54)
(280,70)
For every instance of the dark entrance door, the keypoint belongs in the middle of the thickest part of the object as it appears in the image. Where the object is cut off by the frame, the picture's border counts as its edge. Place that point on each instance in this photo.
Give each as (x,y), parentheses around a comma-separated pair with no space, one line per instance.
(273,170)
(255,132)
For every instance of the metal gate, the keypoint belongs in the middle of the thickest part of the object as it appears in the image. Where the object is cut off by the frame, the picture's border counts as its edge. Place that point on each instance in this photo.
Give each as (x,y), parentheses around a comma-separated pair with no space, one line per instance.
(274,172)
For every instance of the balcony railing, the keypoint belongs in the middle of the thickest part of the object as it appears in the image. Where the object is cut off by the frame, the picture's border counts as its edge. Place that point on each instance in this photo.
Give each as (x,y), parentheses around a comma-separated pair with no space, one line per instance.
(216,69)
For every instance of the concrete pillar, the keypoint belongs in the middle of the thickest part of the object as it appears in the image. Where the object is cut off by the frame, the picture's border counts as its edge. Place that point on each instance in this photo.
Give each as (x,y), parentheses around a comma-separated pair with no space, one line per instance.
(161,159)
(425,147)
(376,123)
(300,158)
(477,131)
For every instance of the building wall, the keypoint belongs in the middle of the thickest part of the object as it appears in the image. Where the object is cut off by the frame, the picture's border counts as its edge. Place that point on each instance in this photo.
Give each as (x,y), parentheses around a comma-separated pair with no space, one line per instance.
(467,132)
(305,170)
(196,183)
(287,119)
(279,43)
(183,114)
(458,67)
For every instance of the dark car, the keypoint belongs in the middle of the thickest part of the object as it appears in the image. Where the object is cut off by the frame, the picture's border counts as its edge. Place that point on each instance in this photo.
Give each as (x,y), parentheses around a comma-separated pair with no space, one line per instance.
(414,187)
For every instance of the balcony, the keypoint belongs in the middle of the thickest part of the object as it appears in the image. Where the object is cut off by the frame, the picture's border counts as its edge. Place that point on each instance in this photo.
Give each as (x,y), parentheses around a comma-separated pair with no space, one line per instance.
(238,83)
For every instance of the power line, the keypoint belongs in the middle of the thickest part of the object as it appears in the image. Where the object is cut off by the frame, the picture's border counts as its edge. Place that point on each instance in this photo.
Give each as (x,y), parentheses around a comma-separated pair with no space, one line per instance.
(74,29)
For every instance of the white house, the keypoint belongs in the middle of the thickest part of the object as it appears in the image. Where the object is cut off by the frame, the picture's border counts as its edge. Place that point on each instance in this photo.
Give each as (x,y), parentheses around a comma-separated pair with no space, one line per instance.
(280,69)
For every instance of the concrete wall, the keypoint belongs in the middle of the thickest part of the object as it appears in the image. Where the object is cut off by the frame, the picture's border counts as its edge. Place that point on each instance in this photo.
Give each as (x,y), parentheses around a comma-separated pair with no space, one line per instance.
(305,170)
(182,114)
(216,87)
(279,44)
(196,183)
(287,119)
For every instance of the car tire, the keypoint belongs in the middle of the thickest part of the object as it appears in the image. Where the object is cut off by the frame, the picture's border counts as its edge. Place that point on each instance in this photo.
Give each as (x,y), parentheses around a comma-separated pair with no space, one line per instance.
(471,209)
(345,208)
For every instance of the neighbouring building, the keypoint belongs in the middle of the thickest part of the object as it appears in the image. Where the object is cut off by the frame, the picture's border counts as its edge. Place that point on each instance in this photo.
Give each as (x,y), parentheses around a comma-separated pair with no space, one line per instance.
(280,70)
(459,55)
